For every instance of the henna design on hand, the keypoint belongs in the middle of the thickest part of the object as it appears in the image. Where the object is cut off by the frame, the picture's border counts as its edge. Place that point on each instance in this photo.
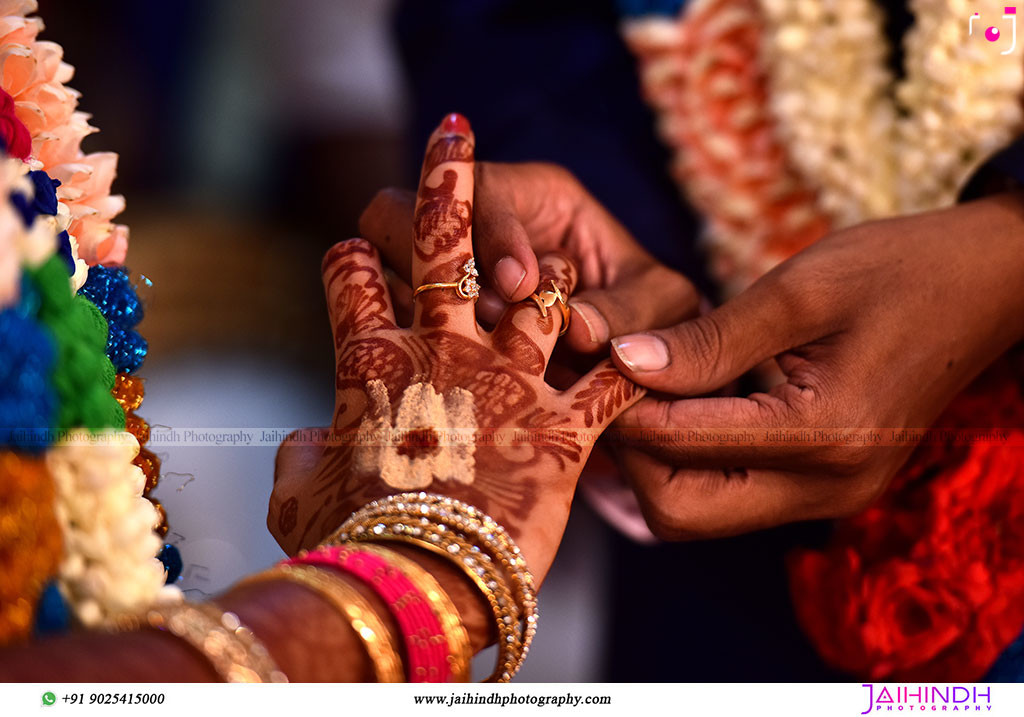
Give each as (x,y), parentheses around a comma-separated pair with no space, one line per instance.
(520,349)
(606,392)
(288,517)
(441,221)
(539,449)
(361,302)
(447,149)
(434,315)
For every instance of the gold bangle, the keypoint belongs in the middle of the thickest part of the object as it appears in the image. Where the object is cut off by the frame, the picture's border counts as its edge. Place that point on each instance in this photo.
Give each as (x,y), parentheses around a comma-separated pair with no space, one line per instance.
(230,647)
(476,565)
(453,513)
(369,628)
(460,653)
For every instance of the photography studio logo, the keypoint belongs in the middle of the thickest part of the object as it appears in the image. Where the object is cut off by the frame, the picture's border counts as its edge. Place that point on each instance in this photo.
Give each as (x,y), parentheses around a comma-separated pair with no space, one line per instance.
(992,33)
(927,698)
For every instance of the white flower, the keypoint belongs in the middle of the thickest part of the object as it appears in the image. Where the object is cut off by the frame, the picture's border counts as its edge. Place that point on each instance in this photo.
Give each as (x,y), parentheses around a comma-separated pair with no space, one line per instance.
(109,564)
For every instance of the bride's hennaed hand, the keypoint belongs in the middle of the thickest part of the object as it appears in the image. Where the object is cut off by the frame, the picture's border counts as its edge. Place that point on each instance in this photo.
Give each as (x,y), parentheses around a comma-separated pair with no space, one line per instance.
(525,210)
(443,379)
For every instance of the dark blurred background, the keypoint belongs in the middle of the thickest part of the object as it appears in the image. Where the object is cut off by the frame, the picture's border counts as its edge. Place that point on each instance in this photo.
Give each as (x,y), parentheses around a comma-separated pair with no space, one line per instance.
(251,136)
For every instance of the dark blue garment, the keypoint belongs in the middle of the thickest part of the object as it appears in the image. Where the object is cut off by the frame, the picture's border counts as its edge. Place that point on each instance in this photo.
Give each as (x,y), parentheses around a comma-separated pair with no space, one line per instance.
(549,81)
(1002,172)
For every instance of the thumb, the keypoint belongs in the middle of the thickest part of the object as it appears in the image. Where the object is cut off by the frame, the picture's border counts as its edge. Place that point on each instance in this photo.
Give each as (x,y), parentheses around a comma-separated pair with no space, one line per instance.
(630,305)
(706,353)
(503,249)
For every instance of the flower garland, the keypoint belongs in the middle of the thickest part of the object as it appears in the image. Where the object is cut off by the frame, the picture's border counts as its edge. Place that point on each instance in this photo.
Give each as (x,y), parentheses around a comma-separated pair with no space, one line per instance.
(68,365)
(801,92)
(33,73)
(872,146)
(110,565)
(926,584)
(700,72)
(30,540)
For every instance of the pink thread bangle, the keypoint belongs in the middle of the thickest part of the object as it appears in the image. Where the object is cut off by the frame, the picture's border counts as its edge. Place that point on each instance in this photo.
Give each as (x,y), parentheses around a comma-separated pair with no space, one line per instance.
(425,640)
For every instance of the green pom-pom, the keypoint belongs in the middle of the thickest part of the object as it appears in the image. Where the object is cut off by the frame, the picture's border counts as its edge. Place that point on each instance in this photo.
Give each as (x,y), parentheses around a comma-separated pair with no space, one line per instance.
(82,366)
(109,374)
(99,410)
(54,286)
(94,328)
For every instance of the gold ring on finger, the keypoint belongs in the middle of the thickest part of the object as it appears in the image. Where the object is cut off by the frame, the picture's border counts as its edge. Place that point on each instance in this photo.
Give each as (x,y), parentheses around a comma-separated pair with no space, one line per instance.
(546,299)
(466,287)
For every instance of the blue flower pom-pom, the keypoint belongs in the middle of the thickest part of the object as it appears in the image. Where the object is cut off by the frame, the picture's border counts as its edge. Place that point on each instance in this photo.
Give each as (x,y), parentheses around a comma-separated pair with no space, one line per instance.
(126,349)
(170,556)
(44,201)
(64,251)
(28,403)
(111,290)
(52,615)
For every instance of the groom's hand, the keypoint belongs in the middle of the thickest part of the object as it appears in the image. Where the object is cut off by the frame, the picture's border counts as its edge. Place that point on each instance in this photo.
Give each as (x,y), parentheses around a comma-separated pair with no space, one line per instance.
(876,328)
(524,210)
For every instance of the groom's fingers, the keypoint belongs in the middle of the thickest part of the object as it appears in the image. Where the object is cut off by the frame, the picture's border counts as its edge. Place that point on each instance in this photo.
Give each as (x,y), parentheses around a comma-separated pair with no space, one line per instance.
(688,504)
(731,431)
(387,224)
(699,356)
(652,298)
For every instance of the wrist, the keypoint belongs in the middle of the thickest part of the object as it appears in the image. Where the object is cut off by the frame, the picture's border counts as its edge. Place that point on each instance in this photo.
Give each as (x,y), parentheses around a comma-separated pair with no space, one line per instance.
(308,637)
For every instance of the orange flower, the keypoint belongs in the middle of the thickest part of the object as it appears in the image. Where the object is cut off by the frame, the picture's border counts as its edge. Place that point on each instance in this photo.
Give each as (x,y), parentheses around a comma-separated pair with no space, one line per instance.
(33,72)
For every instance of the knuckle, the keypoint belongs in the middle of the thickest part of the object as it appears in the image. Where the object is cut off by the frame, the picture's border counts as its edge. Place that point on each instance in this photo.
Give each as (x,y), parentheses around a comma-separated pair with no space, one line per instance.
(701,340)
(346,249)
(666,516)
(661,517)
(794,295)
(664,529)
(677,299)
(557,172)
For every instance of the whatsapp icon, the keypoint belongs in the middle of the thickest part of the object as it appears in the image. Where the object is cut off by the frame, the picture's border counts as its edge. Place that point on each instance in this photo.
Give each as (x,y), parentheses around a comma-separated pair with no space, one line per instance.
(49,698)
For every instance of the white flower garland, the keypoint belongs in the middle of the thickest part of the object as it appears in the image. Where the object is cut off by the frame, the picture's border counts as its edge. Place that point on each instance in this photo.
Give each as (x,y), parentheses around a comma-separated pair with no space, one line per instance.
(109,566)
(872,146)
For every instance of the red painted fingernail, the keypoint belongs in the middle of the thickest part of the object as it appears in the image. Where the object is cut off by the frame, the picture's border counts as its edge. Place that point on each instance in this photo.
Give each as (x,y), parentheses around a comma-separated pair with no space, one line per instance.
(455,124)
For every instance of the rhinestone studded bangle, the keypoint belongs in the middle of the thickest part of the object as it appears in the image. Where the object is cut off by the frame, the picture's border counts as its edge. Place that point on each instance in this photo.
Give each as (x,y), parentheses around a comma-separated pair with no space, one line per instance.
(478,567)
(230,647)
(472,540)
(387,664)
(477,526)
